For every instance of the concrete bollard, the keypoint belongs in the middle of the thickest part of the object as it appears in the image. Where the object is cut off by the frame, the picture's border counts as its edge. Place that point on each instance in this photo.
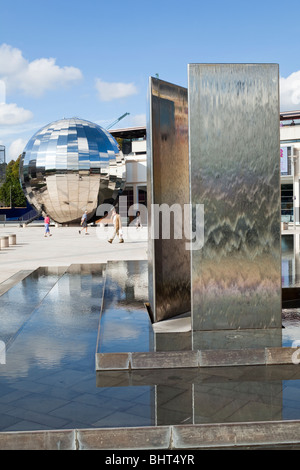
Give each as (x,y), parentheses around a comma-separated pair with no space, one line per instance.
(4,242)
(12,239)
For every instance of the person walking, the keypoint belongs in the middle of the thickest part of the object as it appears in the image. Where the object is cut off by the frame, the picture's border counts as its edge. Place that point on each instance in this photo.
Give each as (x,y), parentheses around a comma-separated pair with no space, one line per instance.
(47,226)
(117,227)
(83,222)
(138,222)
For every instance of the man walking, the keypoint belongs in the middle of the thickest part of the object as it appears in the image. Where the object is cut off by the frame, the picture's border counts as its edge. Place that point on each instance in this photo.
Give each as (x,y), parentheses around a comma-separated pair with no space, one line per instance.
(117,227)
(83,223)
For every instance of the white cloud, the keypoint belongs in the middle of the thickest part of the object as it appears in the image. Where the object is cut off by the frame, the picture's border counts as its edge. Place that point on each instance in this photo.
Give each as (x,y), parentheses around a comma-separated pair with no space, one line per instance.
(36,77)
(11,60)
(138,120)
(16,148)
(44,74)
(290,92)
(11,114)
(111,91)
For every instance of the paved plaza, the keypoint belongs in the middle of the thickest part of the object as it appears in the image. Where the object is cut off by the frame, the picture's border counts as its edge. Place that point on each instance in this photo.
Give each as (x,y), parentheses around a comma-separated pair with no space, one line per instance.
(66,246)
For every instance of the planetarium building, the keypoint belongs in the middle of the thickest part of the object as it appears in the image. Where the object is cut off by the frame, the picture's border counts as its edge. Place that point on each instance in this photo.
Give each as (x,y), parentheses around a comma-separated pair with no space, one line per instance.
(70,166)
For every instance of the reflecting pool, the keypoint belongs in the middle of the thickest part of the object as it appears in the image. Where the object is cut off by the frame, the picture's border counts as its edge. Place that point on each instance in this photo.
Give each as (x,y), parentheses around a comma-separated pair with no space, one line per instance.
(49,323)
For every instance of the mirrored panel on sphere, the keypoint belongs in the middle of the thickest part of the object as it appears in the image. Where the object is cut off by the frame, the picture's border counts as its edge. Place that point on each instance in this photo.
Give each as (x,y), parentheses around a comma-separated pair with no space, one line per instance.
(64,147)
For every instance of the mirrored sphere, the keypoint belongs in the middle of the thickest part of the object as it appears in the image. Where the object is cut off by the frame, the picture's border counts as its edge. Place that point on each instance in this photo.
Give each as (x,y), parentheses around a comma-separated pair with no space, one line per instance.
(70,166)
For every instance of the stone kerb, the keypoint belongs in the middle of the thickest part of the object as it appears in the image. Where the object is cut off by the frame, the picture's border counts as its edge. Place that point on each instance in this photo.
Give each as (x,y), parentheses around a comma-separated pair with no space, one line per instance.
(190,359)
(274,434)
(4,242)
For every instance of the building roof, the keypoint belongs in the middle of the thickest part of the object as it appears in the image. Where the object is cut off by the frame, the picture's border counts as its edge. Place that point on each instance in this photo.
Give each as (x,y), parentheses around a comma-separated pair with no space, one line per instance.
(136,132)
(289,115)
(129,133)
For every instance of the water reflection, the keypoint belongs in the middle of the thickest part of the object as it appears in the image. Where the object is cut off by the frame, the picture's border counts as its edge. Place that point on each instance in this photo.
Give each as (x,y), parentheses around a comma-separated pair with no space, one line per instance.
(50,323)
(48,381)
(18,303)
(126,291)
(290,260)
(53,312)
(217,395)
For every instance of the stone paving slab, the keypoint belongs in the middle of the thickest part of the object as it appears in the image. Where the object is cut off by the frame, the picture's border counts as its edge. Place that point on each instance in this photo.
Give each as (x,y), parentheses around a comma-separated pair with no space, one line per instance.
(160,359)
(263,435)
(209,436)
(282,355)
(112,361)
(190,359)
(38,440)
(143,438)
(210,358)
(65,247)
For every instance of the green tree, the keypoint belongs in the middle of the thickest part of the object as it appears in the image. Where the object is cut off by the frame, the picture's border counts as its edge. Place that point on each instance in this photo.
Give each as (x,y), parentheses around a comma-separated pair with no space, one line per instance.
(11,193)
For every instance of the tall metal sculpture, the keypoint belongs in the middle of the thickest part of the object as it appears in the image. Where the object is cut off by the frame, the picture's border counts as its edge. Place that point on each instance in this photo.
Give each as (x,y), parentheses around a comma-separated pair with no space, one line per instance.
(235,174)
(168,192)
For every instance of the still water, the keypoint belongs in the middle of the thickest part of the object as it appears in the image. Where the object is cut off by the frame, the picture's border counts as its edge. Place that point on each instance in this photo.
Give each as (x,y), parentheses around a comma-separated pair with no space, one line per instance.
(49,325)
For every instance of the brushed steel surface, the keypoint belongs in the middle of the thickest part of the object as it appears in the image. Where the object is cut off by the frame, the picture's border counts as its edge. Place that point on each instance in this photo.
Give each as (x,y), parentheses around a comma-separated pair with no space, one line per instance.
(168,183)
(235,173)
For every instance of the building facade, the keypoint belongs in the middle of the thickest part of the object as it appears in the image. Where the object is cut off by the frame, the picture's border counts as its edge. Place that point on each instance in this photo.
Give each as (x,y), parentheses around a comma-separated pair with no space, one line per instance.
(290,170)
(134,147)
(133,144)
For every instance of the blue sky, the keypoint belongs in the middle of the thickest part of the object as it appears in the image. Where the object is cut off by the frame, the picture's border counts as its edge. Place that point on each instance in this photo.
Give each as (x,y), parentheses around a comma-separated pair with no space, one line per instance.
(92,59)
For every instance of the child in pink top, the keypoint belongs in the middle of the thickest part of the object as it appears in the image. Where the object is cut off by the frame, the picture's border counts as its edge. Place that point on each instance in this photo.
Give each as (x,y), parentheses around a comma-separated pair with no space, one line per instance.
(47,224)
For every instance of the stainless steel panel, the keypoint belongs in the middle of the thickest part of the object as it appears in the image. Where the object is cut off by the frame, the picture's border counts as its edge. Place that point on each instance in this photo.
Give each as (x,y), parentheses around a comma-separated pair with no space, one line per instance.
(235,173)
(168,183)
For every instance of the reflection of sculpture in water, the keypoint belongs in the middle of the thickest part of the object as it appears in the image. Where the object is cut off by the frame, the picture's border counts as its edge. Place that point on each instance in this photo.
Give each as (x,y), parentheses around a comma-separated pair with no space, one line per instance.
(70,166)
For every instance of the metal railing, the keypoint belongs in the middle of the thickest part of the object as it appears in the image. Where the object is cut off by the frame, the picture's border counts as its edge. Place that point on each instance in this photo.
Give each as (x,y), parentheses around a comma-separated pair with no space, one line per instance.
(29,217)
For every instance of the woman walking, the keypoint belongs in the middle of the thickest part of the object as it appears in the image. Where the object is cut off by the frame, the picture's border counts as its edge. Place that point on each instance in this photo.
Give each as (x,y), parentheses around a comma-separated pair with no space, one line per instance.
(47,226)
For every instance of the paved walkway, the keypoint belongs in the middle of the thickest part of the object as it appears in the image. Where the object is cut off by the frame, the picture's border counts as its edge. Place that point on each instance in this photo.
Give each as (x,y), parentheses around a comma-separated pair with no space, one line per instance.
(66,246)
